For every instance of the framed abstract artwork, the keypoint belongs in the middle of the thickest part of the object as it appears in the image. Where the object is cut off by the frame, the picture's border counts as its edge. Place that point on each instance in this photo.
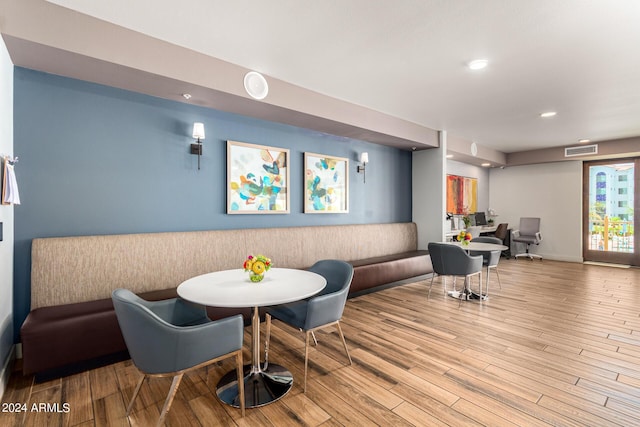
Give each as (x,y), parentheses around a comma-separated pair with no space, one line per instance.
(462,194)
(326,184)
(257,179)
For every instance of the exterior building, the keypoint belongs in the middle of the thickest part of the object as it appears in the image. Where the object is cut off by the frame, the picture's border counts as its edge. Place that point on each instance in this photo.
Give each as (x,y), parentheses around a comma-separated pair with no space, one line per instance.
(611,192)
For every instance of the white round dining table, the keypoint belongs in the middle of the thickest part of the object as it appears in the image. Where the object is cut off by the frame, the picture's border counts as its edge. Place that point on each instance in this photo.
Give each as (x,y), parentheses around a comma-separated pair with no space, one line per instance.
(232,288)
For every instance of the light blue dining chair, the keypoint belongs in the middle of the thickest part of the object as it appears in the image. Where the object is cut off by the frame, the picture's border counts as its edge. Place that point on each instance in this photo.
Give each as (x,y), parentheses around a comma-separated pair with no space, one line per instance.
(319,311)
(490,259)
(171,337)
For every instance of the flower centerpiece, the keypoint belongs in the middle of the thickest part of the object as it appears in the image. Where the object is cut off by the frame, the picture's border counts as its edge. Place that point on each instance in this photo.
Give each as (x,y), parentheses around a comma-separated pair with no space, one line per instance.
(464,237)
(256,266)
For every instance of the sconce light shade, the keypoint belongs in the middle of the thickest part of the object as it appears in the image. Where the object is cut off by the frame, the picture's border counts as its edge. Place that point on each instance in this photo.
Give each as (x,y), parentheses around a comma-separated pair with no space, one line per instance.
(198,134)
(198,130)
(364,159)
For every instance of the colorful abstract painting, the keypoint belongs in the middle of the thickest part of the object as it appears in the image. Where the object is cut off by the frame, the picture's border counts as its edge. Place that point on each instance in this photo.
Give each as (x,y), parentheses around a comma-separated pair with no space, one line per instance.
(326,184)
(462,194)
(257,179)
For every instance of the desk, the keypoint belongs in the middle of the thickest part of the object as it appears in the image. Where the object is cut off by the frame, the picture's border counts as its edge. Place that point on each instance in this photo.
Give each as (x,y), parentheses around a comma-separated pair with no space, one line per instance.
(477,247)
(232,288)
(486,229)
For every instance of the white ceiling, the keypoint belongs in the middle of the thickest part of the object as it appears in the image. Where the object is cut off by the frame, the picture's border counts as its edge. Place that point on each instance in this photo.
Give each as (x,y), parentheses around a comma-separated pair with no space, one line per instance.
(408,58)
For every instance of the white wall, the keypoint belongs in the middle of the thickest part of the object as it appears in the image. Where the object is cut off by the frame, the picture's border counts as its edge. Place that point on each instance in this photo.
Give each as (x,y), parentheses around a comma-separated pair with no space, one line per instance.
(551,191)
(471,171)
(428,187)
(6,217)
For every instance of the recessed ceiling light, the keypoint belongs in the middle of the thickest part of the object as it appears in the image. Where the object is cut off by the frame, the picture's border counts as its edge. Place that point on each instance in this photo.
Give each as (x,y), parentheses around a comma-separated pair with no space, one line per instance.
(449,156)
(256,85)
(548,114)
(486,165)
(186,95)
(478,64)
(584,141)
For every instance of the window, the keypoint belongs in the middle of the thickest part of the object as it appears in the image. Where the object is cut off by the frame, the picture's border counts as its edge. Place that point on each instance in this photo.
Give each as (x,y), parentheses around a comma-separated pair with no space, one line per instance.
(601,187)
(622,178)
(622,191)
(623,204)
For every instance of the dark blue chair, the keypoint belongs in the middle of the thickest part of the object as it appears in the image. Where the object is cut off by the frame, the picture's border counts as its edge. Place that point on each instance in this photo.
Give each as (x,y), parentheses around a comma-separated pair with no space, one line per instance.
(171,337)
(452,260)
(321,310)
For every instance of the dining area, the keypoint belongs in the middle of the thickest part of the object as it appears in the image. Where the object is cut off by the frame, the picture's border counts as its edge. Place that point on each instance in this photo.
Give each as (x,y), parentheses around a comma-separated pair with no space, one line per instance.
(466,258)
(169,338)
(415,361)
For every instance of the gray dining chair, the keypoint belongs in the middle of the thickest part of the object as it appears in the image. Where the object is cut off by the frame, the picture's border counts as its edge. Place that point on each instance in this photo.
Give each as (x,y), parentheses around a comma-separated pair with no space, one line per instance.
(318,312)
(452,260)
(529,234)
(490,259)
(171,337)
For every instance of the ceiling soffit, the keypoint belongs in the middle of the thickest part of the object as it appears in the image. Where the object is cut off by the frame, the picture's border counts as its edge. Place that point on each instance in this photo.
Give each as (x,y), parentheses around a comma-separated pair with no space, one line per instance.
(71,44)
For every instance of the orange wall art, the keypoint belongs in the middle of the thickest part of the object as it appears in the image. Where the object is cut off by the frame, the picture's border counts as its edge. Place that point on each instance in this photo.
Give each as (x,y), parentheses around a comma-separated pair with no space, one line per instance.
(462,194)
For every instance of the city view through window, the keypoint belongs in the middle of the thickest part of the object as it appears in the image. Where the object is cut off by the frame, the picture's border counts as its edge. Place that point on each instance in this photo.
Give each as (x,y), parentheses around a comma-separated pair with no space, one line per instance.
(611,202)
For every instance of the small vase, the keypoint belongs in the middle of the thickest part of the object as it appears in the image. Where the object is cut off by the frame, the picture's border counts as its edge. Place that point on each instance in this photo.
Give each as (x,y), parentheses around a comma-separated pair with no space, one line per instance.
(256,277)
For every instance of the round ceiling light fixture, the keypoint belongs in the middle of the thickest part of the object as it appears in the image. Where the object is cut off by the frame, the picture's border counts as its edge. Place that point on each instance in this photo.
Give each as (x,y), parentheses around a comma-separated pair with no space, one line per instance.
(548,114)
(474,149)
(256,85)
(478,64)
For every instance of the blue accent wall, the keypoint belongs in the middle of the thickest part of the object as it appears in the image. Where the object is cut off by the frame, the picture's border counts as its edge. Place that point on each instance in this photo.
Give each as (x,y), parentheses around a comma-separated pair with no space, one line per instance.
(100,160)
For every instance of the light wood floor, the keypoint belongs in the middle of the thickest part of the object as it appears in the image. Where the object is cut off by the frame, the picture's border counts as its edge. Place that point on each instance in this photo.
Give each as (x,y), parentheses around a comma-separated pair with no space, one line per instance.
(559,344)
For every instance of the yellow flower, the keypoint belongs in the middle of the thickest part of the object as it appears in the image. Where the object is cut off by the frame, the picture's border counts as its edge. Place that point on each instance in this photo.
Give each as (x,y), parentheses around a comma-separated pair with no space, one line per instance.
(258,267)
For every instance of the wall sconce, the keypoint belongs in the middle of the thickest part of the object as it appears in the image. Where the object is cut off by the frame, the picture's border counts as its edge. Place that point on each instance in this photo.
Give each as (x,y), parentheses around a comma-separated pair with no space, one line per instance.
(198,133)
(364,159)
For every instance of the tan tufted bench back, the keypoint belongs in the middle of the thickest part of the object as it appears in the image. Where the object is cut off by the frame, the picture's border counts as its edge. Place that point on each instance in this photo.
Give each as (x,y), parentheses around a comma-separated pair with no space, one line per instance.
(76,269)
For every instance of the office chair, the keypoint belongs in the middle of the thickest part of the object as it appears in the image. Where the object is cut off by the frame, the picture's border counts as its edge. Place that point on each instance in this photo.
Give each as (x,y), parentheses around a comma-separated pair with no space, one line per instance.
(501,231)
(452,260)
(171,337)
(317,312)
(529,234)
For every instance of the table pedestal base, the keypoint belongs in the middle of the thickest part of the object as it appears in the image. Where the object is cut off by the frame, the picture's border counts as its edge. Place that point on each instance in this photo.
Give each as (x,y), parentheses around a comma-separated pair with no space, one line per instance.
(467,295)
(261,387)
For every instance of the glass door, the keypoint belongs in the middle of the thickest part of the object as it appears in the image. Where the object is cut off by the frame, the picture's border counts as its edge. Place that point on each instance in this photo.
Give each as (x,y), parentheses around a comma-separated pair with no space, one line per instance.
(611,202)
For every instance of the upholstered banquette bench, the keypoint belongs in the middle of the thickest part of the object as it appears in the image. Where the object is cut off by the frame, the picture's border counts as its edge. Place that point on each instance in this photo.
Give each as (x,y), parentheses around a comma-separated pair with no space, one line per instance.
(72,319)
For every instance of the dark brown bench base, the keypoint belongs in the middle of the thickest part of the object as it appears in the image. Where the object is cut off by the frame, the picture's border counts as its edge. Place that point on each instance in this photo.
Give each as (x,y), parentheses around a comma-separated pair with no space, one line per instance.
(59,336)
(373,272)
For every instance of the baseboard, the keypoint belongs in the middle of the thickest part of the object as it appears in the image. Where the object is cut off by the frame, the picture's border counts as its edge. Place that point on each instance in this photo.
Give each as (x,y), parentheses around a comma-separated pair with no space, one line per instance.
(607,264)
(7,369)
(563,258)
(558,257)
